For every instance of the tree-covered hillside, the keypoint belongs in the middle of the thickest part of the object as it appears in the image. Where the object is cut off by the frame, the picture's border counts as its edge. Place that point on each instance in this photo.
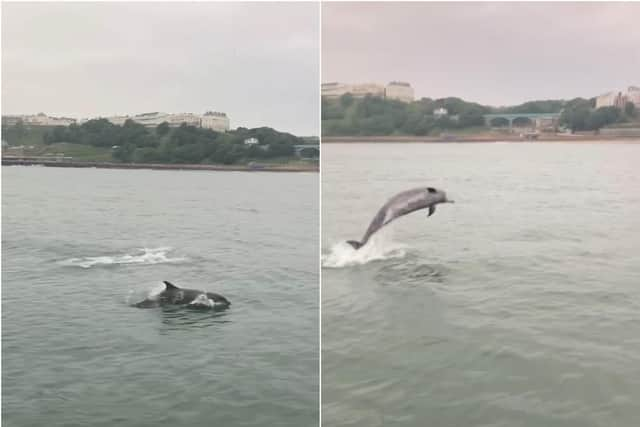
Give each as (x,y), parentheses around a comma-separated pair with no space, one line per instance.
(133,142)
(376,116)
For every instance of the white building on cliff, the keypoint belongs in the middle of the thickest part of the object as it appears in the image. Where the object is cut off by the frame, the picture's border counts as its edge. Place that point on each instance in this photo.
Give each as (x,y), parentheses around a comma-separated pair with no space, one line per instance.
(215,120)
(633,95)
(210,120)
(619,99)
(40,119)
(360,90)
(400,91)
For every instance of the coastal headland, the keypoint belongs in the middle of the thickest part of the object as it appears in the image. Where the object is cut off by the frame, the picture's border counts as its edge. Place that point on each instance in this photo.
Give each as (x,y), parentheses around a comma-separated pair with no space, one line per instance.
(383,116)
(99,143)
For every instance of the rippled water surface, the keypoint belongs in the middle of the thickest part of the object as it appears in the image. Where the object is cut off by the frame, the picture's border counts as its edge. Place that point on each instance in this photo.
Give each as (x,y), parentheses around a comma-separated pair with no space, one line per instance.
(79,246)
(517,306)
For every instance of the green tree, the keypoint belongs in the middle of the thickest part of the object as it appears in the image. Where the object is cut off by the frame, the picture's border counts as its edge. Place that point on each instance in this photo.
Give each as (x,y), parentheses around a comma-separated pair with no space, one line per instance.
(124,153)
(471,118)
(576,114)
(545,106)
(630,109)
(59,134)
(20,129)
(346,100)
(146,155)
(602,117)
(162,129)
(47,138)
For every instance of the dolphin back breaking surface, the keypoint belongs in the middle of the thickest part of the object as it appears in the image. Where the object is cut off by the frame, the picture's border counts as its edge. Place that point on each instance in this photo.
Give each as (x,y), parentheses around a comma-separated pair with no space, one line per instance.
(402,204)
(173,295)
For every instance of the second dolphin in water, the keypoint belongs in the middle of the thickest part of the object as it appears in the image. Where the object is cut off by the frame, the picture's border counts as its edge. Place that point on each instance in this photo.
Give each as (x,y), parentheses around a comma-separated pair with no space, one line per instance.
(173,295)
(402,204)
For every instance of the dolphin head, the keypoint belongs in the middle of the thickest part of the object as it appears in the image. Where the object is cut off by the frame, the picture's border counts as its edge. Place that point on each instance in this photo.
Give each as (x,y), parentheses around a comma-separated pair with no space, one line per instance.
(438,196)
(218,299)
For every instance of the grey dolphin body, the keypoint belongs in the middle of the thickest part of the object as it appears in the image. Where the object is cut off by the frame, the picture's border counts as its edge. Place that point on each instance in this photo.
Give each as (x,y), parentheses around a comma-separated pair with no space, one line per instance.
(173,295)
(402,204)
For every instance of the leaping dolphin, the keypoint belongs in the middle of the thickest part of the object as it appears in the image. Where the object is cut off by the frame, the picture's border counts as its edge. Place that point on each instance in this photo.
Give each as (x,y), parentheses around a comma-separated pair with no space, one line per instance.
(173,295)
(402,204)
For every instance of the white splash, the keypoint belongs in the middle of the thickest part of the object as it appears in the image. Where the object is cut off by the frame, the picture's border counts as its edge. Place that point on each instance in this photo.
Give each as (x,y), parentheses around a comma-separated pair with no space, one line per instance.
(344,255)
(202,301)
(155,291)
(143,256)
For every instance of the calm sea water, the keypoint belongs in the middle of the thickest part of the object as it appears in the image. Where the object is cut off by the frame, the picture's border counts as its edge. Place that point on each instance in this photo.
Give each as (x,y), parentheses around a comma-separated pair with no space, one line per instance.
(79,246)
(517,306)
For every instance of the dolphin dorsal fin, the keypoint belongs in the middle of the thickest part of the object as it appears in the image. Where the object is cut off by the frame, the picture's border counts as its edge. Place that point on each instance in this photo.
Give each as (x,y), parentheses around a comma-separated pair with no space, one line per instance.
(431,190)
(169,285)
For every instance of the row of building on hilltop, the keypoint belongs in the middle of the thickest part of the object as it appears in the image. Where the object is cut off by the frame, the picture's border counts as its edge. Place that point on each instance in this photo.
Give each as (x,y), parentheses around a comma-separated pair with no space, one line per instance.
(619,99)
(400,91)
(210,120)
(40,119)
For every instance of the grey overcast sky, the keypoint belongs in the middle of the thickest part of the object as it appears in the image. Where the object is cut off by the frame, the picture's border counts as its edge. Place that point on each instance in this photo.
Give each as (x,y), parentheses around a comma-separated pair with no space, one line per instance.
(258,62)
(492,53)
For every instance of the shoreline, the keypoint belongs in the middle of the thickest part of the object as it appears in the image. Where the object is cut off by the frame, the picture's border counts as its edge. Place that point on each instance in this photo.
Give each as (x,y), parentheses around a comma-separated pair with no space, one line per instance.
(158,166)
(458,139)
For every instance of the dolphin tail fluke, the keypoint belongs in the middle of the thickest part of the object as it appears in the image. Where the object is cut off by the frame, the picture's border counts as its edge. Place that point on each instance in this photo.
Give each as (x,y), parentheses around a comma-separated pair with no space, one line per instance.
(355,244)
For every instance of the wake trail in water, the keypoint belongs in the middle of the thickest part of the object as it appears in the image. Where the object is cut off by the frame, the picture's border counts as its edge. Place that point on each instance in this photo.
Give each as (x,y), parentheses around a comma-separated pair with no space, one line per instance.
(343,254)
(143,256)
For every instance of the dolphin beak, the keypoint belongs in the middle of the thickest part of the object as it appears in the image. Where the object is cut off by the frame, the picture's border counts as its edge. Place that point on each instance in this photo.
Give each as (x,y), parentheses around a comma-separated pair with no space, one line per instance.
(451,201)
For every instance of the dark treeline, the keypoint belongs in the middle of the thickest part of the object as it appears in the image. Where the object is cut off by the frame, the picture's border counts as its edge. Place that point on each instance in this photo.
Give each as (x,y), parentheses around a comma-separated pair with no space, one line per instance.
(369,116)
(377,116)
(134,142)
(580,114)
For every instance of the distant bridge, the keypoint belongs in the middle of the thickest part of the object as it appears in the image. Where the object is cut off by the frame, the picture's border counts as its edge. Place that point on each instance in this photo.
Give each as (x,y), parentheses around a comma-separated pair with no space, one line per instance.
(301,147)
(534,117)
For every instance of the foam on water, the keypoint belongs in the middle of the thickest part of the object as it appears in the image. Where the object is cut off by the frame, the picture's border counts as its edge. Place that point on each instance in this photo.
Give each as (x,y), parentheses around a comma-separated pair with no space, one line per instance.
(202,301)
(156,290)
(143,256)
(343,254)
(137,295)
